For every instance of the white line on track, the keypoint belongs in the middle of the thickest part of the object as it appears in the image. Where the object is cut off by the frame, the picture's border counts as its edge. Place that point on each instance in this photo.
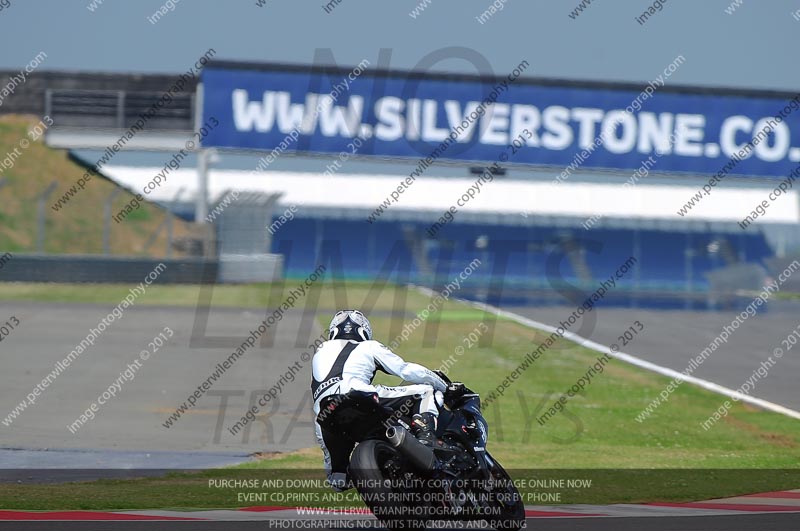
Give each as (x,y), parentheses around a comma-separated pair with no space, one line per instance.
(629,358)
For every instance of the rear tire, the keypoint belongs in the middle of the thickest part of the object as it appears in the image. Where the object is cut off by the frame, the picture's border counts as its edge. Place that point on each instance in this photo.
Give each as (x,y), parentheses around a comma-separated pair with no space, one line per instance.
(369,467)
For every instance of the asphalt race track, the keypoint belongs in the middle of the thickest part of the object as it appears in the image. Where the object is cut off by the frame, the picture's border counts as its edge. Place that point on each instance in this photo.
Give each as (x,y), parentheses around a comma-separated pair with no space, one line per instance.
(755,522)
(671,338)
(128,430)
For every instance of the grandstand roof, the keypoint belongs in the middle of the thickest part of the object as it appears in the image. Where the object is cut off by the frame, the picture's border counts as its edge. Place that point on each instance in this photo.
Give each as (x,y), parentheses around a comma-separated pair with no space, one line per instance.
(502,201)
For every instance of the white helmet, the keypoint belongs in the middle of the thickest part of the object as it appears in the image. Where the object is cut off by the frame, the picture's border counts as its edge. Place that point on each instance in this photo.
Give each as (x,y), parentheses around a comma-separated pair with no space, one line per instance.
(350,324)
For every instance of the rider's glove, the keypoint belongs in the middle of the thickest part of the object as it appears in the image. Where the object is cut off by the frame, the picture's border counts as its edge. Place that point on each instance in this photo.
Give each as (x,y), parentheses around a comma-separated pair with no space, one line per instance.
(453,392)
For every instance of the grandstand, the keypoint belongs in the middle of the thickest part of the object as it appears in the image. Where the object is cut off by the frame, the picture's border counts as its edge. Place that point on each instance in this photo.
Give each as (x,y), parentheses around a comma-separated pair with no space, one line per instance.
(539,239)
(525,235)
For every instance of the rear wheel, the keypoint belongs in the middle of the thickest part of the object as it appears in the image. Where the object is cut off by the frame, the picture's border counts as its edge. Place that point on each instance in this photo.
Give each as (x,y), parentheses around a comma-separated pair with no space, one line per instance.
(377,472)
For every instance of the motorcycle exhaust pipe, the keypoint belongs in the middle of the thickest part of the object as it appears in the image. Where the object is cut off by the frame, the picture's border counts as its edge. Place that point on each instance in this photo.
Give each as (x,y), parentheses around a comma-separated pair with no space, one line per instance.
(420,455)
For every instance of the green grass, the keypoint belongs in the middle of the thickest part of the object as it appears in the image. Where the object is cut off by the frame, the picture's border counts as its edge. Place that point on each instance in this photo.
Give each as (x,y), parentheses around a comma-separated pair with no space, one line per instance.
(596,434)
(78,227)
(461,315)
(330,295)
(187,491)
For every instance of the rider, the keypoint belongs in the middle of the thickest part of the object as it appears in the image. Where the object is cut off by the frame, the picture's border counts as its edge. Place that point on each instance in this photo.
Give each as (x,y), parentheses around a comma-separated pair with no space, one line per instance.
(348,362)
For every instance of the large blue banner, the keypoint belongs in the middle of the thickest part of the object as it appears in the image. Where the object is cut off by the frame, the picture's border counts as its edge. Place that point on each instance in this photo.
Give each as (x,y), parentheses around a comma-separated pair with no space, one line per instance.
(508,120)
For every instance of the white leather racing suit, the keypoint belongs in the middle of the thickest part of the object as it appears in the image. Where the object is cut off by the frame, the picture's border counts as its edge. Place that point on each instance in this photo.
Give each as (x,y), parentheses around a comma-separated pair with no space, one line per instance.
(341,365)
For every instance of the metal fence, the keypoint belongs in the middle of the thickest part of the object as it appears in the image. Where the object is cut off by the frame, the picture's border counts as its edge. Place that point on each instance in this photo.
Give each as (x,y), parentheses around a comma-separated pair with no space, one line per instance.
(117,109)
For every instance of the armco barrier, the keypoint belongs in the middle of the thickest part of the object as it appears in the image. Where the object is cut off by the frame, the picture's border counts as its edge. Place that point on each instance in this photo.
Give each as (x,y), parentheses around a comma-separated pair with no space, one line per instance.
(103,269)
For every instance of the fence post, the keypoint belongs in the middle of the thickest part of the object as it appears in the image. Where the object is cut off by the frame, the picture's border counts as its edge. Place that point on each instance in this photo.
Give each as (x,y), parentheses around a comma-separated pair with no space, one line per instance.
(107,220)
(48,102)
(169,234)
(121,109)
(40,215)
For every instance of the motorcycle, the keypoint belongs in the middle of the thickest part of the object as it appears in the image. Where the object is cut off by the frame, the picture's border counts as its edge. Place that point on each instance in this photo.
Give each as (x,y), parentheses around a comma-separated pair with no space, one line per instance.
(406,483)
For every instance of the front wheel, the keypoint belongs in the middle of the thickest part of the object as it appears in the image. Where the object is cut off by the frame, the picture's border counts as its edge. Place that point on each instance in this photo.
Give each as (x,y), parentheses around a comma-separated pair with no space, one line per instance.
(376,469)
(507,508)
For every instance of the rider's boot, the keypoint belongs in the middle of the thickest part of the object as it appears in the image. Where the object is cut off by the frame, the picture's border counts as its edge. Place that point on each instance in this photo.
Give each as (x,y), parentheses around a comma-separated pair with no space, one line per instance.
(424,427)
